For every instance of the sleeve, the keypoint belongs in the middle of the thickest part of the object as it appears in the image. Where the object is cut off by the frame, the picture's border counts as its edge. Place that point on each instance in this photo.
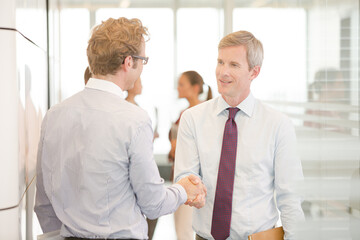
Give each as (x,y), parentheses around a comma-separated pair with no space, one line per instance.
(288,176)
(153,197)
(43,208)
(186,155)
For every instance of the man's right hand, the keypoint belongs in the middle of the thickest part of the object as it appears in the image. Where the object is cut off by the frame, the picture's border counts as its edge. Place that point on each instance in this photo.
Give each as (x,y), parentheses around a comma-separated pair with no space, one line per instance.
(195,189)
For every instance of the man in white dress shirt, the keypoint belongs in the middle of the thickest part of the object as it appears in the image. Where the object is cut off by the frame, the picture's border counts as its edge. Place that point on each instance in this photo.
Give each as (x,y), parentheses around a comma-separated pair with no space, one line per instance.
(262,151)
(96,176)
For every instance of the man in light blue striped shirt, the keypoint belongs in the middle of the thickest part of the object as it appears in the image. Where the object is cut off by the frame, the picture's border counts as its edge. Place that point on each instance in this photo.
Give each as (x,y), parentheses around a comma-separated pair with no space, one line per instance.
(96,176)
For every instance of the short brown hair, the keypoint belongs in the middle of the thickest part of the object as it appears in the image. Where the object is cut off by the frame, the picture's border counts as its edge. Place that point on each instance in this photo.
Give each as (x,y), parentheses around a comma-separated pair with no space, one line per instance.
(87,75)
(196,79)
(112,41)
(254,48)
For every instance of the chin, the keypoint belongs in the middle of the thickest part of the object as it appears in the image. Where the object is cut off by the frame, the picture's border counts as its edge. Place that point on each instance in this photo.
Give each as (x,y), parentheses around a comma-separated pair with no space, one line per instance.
(130,87)
(221,90)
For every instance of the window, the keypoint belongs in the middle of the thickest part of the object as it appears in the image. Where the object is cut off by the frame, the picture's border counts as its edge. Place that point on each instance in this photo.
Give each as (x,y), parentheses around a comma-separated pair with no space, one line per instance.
(74,35)
(283,74)
(198,35)
(310,72)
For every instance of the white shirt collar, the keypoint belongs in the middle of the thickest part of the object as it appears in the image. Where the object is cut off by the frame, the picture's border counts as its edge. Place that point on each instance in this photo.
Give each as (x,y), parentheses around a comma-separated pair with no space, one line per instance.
(246,106)
(106,86)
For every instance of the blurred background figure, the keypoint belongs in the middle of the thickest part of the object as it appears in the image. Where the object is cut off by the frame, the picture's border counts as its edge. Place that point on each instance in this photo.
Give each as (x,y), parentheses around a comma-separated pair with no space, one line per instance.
(136,90)
(330,86)
(190,86)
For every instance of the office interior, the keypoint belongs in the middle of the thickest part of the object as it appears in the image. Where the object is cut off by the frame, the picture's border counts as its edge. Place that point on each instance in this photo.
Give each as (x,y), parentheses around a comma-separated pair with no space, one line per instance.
(310,72)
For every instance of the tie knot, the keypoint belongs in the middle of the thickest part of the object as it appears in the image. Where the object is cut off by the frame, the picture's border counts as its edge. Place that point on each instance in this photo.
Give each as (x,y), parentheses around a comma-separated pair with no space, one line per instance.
(232,112)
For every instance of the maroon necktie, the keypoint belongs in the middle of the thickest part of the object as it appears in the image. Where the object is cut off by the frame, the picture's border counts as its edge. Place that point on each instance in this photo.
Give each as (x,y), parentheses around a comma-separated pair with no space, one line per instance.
(220,227)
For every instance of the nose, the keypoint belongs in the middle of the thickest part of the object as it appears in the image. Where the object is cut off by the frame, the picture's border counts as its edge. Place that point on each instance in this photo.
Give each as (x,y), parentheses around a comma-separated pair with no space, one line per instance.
(222,71)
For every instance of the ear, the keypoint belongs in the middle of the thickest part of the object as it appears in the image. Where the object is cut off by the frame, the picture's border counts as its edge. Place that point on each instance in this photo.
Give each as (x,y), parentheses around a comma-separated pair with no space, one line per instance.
(196,88)
(128,63)
(255,72)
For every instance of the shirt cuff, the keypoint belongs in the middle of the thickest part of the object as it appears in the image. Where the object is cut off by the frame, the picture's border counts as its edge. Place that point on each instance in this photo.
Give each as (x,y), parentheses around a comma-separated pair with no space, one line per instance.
(183,194)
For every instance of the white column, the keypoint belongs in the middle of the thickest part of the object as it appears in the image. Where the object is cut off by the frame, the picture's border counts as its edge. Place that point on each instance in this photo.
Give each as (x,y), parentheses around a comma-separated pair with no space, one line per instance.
(9,143)
(228,16)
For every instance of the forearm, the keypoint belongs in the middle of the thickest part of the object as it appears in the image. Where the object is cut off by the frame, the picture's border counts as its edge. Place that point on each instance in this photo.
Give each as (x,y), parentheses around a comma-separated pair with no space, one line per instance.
(169,202)
(46,215)
(288,177)
(47,218)
(44,210)
(153,197)
(291,215)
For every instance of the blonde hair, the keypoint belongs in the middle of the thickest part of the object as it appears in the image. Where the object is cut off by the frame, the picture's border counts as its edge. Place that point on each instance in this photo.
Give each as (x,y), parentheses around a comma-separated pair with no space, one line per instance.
(112,41)
(254,48)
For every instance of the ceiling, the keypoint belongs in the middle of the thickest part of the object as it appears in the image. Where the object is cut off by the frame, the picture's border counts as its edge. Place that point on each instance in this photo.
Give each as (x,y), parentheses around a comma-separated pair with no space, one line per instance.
(202,3)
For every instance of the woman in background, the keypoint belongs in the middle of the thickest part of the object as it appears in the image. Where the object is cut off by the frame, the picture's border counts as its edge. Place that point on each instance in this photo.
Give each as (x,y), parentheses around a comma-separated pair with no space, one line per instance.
(190,86)
(136,90)
(87,75)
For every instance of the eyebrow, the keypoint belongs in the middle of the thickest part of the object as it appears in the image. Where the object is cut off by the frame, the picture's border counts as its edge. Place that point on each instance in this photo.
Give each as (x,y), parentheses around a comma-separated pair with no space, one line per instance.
(232,62)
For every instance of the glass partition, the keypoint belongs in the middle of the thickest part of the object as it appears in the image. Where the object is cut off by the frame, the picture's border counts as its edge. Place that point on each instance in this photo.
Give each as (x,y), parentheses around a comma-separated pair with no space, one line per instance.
(311,73)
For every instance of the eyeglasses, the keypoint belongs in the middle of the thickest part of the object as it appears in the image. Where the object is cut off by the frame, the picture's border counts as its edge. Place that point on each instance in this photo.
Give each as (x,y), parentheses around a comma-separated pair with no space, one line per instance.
(144,59)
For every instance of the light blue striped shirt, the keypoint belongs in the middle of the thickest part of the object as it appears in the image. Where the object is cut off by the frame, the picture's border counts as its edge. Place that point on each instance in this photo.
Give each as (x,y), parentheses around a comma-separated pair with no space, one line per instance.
(96,176)
(266,162)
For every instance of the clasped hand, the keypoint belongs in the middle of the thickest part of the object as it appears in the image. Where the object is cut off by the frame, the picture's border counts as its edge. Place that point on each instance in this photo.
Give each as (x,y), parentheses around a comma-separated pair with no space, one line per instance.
(195,189)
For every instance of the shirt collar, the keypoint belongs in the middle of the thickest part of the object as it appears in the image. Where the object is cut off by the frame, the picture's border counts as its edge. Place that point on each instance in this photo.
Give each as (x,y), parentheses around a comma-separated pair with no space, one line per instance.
(247,106)
(106,86)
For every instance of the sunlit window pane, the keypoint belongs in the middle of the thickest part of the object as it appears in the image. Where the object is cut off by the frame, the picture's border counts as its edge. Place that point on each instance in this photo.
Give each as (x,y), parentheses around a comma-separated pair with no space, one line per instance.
(283,34)
(73,42)
(198,34)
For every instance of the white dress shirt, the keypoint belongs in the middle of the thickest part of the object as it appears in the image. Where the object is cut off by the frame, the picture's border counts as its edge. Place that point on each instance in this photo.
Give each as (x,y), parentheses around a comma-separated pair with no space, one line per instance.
(266,161)
(96,176)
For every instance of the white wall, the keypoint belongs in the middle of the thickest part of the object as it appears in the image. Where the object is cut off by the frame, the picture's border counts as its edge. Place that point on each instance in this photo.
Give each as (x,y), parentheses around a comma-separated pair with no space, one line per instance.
(23,100)
(9,101)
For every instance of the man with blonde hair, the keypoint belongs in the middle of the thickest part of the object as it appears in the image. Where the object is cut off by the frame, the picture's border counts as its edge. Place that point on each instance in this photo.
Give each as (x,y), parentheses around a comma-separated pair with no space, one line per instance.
(243,150)
(96,176)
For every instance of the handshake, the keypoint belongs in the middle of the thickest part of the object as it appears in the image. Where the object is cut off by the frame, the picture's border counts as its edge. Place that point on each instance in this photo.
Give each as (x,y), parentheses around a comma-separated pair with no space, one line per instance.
(195,190)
